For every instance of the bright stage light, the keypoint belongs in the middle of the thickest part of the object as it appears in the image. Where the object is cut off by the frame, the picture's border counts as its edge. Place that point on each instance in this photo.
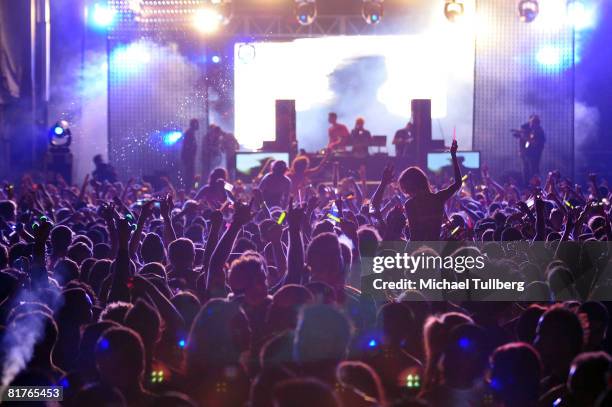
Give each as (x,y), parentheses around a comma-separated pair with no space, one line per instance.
(580,15)
(306,11)
(215,59)
(102,15)
(372,11)
(172,138)
(528,10)
(130,58)
(550,56)
(453,10)
(207,20)
(60,135)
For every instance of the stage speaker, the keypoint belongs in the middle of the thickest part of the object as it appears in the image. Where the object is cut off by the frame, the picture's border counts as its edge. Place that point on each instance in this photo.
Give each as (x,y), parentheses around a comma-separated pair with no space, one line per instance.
(421,118)
(286,127)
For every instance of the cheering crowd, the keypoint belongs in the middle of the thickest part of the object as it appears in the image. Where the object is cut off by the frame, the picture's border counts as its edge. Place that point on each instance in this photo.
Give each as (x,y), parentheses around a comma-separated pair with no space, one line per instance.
(250,295)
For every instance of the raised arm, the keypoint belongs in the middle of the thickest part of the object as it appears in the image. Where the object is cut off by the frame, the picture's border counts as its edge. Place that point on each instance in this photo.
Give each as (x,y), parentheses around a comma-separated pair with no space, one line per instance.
(120,290)
(145,213)
(166,212)
(215,282)
(456,185)
(216,221)
(38,269)
(295,260)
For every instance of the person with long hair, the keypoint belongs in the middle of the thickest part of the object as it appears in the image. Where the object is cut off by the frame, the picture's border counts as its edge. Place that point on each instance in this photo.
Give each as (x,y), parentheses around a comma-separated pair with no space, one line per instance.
(425,208)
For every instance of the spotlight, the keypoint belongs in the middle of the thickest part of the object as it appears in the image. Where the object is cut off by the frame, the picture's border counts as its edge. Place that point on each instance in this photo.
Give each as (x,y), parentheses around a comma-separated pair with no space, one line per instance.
(216,59)
(102,15)
(305,11)
(528,10)
(453,10)
(171,138)
(207,20)
(372,11)
(60,135)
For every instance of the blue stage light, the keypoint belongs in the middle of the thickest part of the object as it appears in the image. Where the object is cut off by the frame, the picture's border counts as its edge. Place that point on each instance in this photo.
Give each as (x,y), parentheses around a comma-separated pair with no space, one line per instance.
(182,343)
(216,59)
(372,343)
(58,130)
(172,138)
(464,343)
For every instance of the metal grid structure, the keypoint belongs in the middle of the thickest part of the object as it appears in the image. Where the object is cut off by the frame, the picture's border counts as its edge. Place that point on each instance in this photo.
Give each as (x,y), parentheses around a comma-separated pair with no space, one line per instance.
(515,78)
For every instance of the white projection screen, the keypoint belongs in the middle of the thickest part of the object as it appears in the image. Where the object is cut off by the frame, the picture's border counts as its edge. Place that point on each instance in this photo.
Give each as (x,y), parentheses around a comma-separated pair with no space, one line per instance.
(374,77)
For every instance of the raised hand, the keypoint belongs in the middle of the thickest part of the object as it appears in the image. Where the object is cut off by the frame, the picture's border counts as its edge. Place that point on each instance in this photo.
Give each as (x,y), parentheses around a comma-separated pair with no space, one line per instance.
(41,230)
(453,149)
(166,206)
(242,213)
(295,215)
(388,174)
(216,218)
(124,230)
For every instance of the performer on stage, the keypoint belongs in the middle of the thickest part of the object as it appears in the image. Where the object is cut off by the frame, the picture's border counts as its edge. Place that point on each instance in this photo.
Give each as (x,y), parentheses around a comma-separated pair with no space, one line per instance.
(188,153)
(531,144)
(338,133)
(361,139)
(403,139)
(211,149)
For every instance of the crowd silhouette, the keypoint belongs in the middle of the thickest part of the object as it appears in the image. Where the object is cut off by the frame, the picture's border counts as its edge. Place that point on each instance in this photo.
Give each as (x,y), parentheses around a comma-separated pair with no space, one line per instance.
(249,295)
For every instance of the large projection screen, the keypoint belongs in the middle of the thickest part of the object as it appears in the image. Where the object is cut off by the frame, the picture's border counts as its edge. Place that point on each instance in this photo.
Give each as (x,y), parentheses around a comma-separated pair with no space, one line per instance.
(374,77)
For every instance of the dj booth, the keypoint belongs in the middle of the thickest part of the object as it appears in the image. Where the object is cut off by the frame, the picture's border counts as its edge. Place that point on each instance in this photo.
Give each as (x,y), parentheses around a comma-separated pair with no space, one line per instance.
(422,150)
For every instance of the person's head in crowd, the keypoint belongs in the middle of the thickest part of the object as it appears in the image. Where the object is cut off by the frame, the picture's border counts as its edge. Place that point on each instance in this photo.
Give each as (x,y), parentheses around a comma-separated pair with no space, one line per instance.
(527,323)
(61,238)
(587,378)
(414,181)
(101,251)
(115,311)
(324,259)
(77,307)
(300,164)
(78,252)
(514,378)
(98,273)
(279,167)
(598,317)
(286,304)
(181,254)
(85,356)
(152,249)
(217,174)
(120,361)
(146,321)
(8,211)
(219,336)
(305,392)
(559,338)
(369,240)
(332,118)
(322,335)
(195,233)
(154,269)
(465,356)
(436,333)
(277,351)
(65,270)
(248,277)
(187,304)
(396,323)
